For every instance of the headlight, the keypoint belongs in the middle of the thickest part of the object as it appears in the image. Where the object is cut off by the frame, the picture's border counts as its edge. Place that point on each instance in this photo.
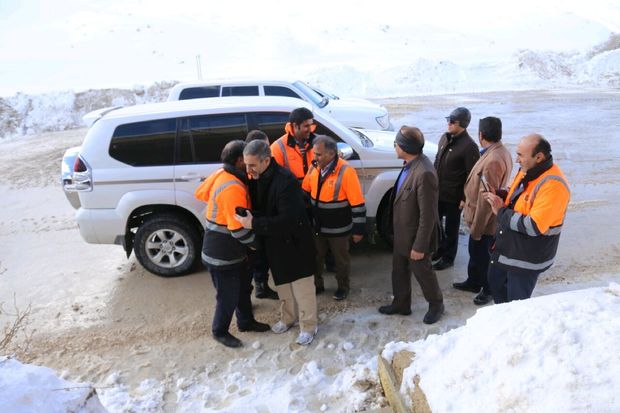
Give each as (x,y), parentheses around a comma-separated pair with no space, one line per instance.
(384,121)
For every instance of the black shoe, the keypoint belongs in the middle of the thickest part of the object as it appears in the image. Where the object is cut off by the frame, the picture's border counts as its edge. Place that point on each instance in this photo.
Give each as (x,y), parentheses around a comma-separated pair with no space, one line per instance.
(228,340)
(391,309)
(482,298)
(263,291)
(433,314)
(255,326)
(465,286)
(319,289)
(341,294)
(442,264)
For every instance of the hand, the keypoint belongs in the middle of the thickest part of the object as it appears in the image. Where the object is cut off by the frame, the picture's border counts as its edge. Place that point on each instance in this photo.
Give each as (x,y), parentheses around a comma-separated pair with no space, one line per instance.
(462,205)
(493,200)
(357,238)
(246,221)
(416,256)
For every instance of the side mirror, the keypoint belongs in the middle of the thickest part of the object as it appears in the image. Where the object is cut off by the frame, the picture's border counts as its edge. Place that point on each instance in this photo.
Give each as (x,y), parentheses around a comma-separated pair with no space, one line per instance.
(344,150)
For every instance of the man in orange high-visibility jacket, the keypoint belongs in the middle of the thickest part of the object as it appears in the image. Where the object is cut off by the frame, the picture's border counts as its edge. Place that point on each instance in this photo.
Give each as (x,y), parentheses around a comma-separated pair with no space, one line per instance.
(529,222)
(294,149)
(225,245)
(338,210)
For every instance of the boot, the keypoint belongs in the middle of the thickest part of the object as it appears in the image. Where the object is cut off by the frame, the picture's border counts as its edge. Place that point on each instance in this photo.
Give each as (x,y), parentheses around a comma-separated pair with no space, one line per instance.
(263,291)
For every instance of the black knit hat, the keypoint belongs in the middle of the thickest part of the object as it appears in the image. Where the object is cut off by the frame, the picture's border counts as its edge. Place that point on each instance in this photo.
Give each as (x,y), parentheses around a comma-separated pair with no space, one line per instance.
(460,114)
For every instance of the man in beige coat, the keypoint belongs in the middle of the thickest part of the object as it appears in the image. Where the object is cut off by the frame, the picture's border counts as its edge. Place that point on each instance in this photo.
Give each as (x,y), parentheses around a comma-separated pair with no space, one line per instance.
(416,227)
(490,173)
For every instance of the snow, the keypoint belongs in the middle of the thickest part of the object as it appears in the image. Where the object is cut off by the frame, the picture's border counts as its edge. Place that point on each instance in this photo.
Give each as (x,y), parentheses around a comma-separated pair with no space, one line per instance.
(551,353)
(26,388)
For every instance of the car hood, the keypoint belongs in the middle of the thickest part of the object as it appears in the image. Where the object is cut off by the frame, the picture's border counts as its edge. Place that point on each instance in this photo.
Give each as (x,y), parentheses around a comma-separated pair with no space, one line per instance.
(384,142)
(357,104)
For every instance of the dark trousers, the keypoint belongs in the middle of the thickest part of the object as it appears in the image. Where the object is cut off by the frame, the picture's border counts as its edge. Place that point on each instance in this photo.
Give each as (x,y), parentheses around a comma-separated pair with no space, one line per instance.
(401,281)
(259,266)
(339,246)
(478,266)
(511,285)
(233,288)
(450,241)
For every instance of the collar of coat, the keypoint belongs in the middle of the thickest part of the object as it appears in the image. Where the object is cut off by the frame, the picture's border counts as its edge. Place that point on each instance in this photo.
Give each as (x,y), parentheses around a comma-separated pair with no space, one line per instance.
(242,176)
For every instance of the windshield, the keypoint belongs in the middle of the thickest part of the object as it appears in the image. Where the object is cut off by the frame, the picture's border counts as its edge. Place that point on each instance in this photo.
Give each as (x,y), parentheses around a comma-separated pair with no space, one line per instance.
(364,140)
(311,94)
(324,93)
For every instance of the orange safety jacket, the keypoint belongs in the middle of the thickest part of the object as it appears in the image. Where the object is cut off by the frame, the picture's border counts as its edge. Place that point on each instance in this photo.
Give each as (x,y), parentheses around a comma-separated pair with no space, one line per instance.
(287,153)
(530,223)
(225,240)
(337,201)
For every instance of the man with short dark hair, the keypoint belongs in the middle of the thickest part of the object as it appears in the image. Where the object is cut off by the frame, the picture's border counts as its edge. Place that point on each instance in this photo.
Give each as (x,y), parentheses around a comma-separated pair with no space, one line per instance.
(280,220)
(416,229)
(294,149)
(456,156)
(258,260)
(529,222)
(338,210)
(490,173)
(226,243)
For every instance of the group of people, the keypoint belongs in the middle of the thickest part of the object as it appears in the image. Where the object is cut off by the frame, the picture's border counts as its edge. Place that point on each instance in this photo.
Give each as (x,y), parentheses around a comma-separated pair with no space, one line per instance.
(285,208)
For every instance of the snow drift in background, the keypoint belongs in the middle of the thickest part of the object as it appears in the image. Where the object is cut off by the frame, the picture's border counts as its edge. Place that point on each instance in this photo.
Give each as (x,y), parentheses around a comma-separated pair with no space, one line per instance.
(551,353)
(598,67)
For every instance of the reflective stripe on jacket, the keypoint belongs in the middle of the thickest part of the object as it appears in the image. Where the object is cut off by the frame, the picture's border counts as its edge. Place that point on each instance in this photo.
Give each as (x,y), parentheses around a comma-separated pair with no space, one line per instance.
(337,200)
(527,236)
(225,239)
(286,152)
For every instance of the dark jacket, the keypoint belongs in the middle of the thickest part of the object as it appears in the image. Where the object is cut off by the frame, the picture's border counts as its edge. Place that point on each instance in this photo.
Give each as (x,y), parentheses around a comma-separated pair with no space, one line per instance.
(282,224)
(414,209)
(455,159)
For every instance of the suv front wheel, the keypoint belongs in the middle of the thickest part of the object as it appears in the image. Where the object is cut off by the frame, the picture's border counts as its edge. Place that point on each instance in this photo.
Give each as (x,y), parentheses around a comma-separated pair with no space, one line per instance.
(167,245)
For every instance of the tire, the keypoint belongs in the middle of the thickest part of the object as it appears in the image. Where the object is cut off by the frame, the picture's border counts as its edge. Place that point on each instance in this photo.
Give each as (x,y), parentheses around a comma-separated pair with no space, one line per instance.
(385,227)
(167,245)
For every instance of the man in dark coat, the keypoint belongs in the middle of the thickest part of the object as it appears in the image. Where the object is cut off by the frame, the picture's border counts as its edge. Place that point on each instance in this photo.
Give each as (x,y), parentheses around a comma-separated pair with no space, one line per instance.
(416,229)
(282,224)
(455,159)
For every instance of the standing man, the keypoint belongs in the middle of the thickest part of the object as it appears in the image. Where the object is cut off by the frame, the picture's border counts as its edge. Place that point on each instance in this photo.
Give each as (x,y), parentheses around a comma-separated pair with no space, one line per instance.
(416,229)
(293,150)
(258,260)
(282,223)
(338,210)
(455,159)
(529,222)
(224,249)
(489,173)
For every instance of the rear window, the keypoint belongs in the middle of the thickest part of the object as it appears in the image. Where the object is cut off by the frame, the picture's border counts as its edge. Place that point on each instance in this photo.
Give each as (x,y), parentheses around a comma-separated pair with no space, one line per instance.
(272,123)
(200,92)
(280,91)
(240,91)
(202,138)
(148,143)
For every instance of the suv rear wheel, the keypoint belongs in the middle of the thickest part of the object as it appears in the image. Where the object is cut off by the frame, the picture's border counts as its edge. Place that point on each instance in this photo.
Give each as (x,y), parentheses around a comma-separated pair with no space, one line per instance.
(167,245)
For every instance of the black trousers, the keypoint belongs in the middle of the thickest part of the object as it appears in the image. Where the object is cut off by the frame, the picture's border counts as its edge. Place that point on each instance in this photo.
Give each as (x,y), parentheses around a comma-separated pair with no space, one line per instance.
(259,266)
(511,285)
(450,241)
(478,265)
(233,288)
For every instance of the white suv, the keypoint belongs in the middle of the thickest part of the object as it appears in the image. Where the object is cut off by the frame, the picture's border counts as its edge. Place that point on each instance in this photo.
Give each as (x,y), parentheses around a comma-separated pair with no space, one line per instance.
(355,113)
(137,169)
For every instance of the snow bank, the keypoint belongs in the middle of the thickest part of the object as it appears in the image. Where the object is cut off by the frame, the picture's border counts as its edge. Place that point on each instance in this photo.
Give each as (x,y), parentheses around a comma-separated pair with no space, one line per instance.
(551,353)
(26,388)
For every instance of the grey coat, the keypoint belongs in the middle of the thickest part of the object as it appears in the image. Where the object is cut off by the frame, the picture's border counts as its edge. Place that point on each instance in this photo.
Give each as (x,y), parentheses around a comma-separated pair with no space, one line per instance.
(414,209)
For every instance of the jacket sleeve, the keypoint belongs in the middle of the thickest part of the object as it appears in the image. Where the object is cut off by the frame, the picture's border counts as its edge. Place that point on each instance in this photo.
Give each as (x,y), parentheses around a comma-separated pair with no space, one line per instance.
(235,197)
(289,207)
(427,193)
(494,173)
(471,156)
(276,152)
(353,191)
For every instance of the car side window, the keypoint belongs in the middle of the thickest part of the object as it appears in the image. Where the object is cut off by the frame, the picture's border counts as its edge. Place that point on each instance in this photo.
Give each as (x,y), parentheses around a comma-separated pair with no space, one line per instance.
(200,92)
(280,91)
(240,91)
(148,143)
(272,123)
(202,138)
